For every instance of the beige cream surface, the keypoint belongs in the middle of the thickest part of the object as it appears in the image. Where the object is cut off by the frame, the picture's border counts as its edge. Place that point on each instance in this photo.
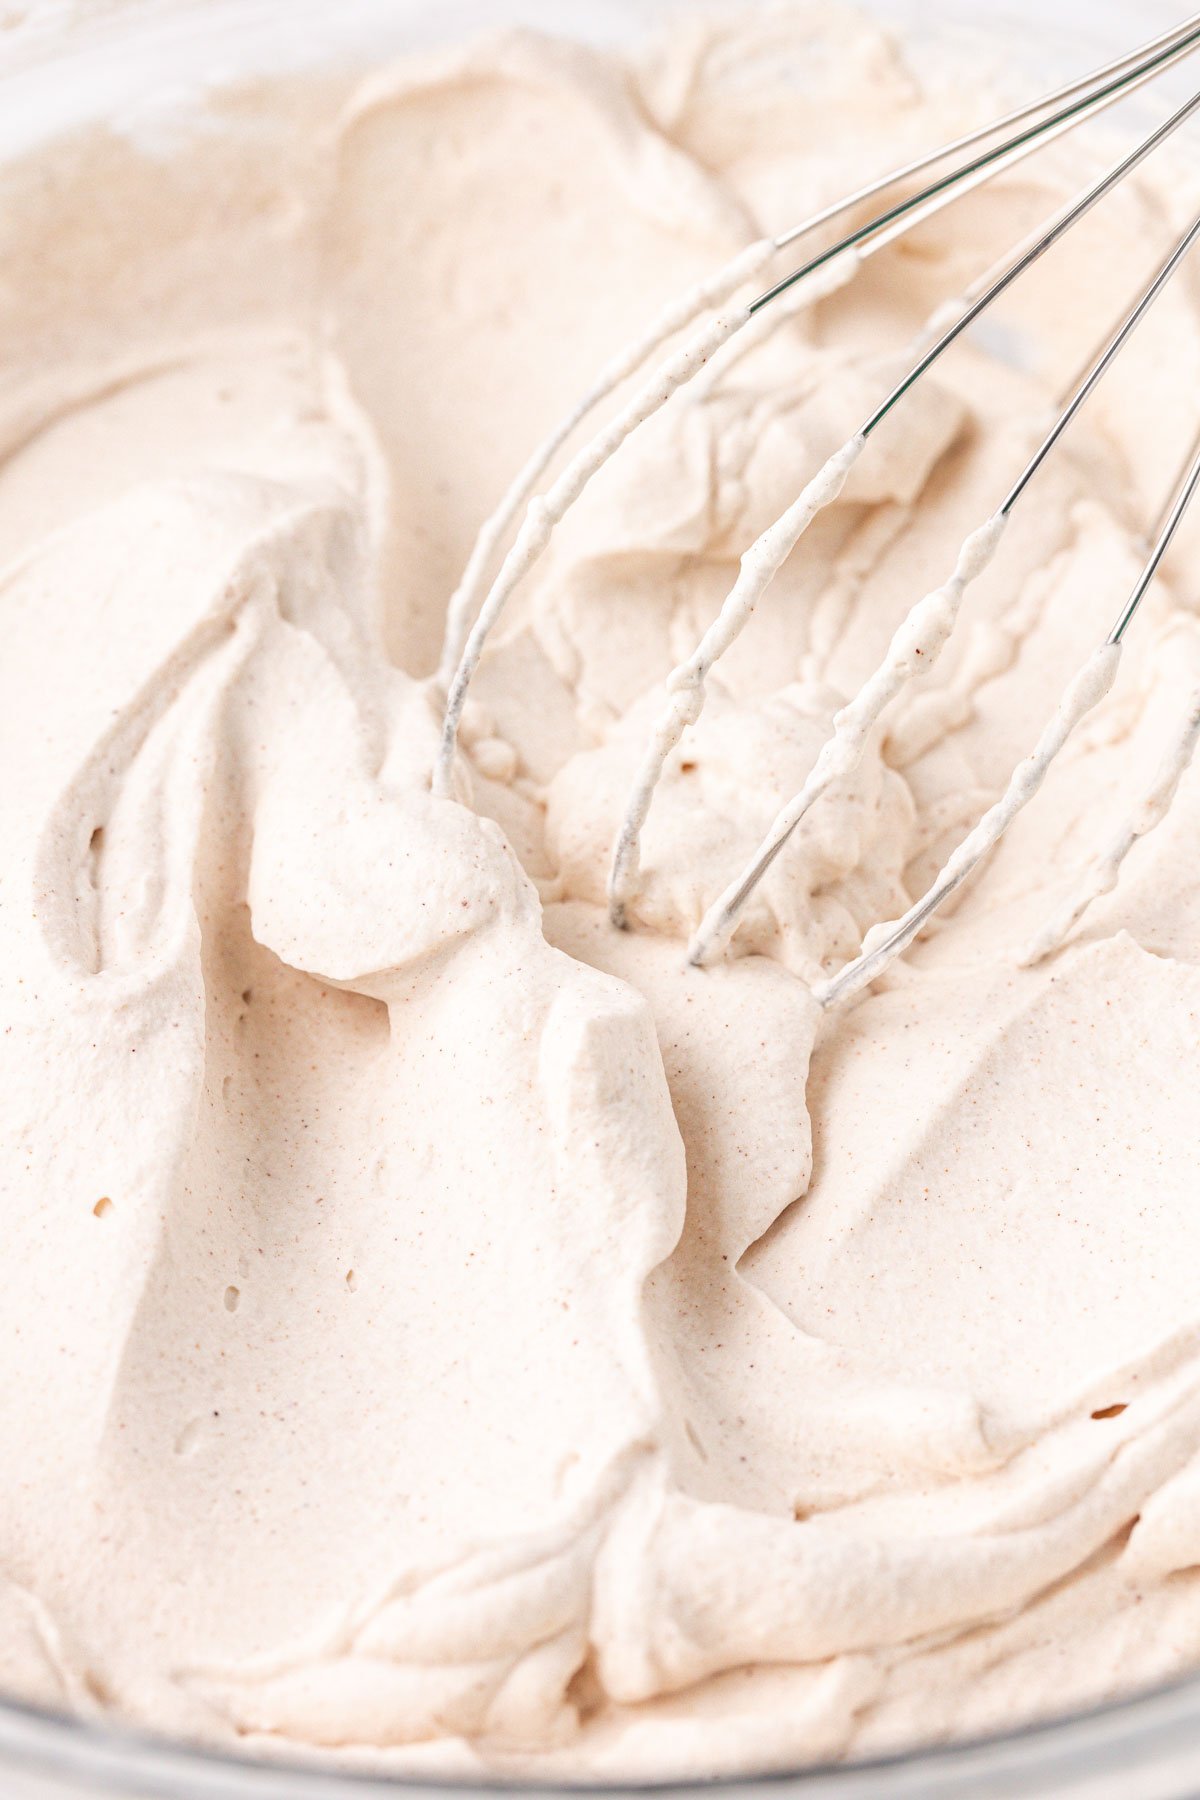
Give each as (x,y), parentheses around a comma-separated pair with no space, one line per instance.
(437,1327)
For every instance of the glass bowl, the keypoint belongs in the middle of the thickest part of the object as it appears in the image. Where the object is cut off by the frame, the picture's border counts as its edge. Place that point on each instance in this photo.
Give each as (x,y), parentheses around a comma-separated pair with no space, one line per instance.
(65,62)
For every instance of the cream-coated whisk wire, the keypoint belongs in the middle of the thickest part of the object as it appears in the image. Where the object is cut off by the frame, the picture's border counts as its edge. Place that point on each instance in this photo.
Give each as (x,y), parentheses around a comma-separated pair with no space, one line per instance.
(924,633)
(1086,689)
(921,637)
(474,610)
(1103,873)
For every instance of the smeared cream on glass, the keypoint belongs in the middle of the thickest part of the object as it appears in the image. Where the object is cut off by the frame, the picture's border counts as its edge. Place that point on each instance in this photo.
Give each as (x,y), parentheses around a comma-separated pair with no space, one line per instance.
(438,1327)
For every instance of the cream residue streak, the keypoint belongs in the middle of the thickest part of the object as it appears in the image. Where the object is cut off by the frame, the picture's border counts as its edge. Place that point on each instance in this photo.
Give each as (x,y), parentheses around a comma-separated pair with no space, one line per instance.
(469,595)
(887,940)
(441,1329)
(686,684)
(918,643)
(1102,877)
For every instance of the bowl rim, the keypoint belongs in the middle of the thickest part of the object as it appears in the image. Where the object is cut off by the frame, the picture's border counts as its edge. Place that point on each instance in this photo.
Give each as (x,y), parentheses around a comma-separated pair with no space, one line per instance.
(1084,1749)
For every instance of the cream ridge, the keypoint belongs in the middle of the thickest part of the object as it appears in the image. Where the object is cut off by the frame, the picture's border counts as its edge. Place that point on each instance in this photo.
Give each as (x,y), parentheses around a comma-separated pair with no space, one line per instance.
(442,1330)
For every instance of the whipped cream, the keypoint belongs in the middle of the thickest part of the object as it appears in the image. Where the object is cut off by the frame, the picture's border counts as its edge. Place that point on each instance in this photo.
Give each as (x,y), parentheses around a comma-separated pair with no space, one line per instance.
(441,1329)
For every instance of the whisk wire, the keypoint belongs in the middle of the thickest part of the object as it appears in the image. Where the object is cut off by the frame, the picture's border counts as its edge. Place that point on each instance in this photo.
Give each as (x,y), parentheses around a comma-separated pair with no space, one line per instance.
(1145,62)
(1087,688)
(914,209)
(464,641)
(1174,519)
(923,635)
(1064,222)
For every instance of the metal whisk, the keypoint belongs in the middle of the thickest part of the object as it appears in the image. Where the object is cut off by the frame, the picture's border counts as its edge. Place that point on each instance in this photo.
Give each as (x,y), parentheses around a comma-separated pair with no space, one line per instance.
(974,159)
